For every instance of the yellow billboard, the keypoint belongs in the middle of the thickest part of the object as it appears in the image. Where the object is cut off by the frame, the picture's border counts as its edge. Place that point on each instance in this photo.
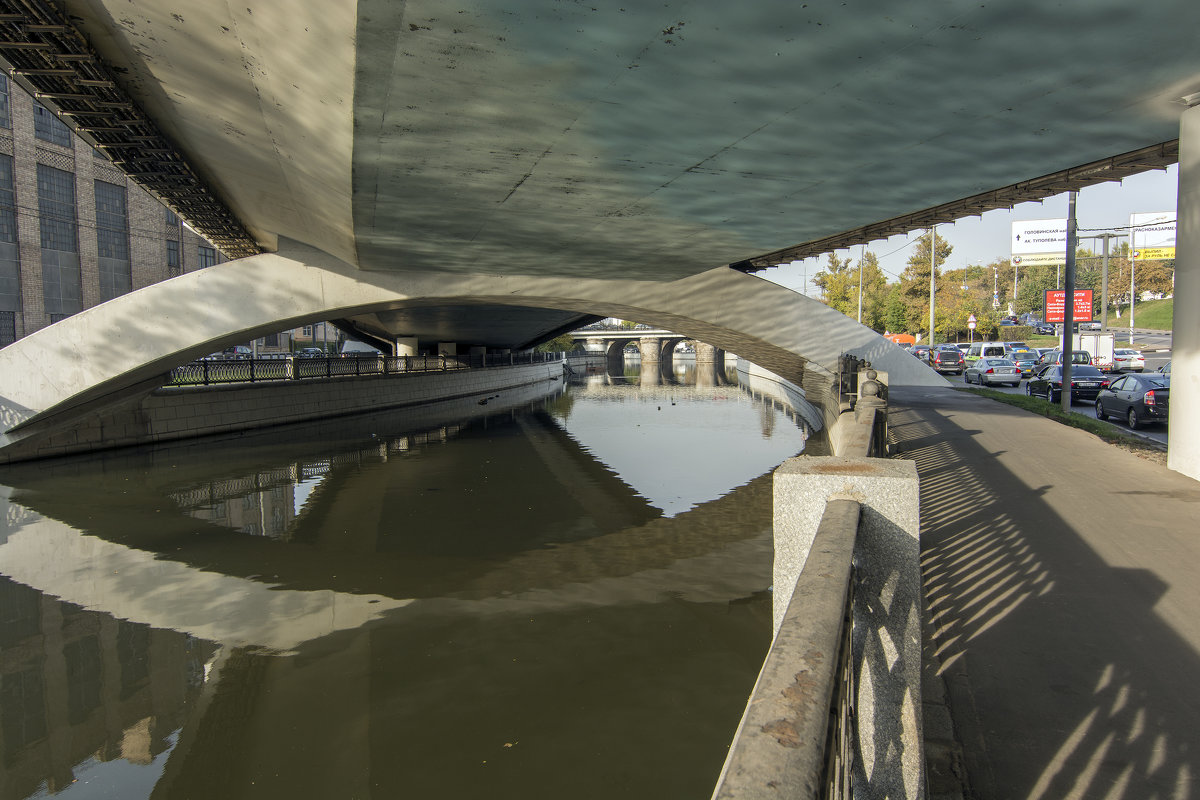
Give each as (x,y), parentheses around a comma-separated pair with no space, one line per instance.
(1154,254)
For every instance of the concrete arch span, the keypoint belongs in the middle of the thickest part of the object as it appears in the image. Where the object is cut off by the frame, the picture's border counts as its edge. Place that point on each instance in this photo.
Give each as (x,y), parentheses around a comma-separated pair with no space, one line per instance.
(125,345)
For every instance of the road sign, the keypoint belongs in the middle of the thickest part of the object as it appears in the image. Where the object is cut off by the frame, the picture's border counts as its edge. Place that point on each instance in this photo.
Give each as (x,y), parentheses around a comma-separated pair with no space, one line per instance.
(1039,241)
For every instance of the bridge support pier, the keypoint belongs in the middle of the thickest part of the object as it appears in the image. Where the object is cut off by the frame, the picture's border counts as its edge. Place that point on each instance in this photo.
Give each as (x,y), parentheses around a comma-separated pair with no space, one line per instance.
(651,348)
(1183,436)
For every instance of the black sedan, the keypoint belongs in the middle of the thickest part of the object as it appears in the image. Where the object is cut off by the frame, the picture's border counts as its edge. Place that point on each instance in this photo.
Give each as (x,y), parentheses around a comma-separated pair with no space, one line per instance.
(1137,399)
(1086,382)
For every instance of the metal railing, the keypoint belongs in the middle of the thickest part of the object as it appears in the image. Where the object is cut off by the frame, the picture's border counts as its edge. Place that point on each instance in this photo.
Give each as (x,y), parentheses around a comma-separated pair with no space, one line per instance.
(206,372)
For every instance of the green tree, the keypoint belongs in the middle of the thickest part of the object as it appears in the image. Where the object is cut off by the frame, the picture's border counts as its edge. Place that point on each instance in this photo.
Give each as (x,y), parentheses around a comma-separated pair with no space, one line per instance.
(563,343)
(914,281)
(839,284)
(897,312)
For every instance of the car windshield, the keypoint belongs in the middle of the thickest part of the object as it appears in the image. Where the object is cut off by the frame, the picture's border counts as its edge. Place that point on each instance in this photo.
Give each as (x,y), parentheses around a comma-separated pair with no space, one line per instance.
(1085,371)
(997,362)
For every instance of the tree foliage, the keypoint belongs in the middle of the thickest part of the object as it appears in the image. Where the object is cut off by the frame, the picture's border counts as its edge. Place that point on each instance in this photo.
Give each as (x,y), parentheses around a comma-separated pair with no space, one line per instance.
(927,255)
(839,284)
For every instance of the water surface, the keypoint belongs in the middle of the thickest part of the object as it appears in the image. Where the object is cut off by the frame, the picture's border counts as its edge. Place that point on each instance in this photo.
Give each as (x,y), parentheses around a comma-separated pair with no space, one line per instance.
(561,591)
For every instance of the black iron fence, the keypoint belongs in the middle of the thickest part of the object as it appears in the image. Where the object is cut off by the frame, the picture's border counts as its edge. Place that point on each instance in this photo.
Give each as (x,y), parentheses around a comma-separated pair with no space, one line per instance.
(291,368)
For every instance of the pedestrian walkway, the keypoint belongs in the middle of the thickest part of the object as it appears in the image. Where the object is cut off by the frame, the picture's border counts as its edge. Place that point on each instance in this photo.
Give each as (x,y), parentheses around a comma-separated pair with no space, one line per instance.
(1062,603)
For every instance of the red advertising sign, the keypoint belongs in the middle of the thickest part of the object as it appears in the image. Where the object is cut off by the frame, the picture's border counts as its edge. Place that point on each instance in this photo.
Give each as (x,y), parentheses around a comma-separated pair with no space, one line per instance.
(1055,305)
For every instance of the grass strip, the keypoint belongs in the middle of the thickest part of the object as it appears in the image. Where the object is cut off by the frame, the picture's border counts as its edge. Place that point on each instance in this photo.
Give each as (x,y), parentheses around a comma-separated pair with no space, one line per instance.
(1054,411)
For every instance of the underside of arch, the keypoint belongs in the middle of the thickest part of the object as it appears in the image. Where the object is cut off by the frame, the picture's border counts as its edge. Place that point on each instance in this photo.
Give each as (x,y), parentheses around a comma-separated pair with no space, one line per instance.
(128,344)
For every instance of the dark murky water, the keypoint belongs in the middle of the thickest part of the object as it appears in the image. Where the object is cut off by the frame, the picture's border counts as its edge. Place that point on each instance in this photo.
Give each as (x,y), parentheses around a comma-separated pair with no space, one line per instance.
(560,593)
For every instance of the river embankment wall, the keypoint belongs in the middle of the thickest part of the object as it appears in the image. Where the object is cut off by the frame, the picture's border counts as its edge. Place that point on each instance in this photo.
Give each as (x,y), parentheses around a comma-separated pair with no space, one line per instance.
(174,413)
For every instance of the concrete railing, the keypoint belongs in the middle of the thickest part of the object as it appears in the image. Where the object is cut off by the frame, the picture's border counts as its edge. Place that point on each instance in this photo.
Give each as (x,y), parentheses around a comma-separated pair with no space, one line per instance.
(778,751)
(794,740)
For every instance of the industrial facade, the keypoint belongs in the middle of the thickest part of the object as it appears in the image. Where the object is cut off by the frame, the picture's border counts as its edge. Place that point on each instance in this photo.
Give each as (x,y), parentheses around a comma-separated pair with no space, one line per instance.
(74,231)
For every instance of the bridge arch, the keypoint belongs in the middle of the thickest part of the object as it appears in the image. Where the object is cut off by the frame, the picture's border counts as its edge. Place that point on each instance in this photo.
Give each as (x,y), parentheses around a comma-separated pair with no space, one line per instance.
(125,345)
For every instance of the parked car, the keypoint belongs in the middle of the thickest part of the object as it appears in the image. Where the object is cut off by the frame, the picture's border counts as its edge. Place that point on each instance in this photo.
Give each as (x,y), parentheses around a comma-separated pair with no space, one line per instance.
(1004,323)
(947,358)
(1086,382)
(921,351)
(311,352)
(993,370)
(1125,360)
(1045,328)
(1137,399)
(238,351)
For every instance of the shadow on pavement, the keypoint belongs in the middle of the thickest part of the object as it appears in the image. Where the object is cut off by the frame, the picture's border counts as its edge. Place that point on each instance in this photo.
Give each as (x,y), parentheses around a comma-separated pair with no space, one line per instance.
(1062,607)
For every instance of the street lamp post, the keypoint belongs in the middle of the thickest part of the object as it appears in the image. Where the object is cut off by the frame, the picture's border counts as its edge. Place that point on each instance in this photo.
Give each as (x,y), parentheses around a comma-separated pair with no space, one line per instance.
(932,279)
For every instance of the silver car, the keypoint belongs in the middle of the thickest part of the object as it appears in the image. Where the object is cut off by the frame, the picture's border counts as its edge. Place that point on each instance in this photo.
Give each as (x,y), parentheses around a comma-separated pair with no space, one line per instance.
(986,371)
(1125,360)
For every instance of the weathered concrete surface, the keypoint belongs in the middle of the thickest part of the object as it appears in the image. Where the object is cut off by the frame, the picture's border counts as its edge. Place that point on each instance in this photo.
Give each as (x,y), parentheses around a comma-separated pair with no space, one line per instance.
(1183,441)
(887,606)
(1060,582)
(780,746)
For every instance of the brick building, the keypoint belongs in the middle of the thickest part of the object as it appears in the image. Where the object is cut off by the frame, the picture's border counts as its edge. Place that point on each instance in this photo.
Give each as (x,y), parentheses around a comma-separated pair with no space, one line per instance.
(74,231)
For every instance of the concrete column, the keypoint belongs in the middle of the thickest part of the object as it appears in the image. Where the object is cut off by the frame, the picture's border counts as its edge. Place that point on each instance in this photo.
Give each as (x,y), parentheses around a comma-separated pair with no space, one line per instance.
(705,353)
(406,346)
(886,643)
(595,344)
(1183,437)
(651,347)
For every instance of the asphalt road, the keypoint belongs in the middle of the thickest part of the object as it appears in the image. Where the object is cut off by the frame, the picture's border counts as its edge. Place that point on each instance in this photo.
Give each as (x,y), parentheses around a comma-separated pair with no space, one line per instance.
(1153,361)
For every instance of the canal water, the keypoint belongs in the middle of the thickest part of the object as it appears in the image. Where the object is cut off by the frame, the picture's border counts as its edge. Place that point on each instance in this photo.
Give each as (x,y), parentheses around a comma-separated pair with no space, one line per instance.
(558,591)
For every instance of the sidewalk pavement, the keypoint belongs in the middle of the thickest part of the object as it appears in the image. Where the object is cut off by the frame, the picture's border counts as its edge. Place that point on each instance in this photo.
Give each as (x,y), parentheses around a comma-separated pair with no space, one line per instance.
(1062,605)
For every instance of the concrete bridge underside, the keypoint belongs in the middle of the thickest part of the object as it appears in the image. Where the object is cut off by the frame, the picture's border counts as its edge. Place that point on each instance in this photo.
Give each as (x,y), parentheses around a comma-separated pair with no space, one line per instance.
(80,365)
(572,150)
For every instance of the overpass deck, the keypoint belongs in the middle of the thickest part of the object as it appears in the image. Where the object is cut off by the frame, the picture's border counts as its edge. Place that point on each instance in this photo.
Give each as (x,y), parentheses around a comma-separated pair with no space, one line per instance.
(1059,575)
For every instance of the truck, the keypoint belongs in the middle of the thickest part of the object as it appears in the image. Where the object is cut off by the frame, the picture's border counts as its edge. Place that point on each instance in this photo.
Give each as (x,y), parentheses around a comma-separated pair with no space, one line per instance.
(1099,346)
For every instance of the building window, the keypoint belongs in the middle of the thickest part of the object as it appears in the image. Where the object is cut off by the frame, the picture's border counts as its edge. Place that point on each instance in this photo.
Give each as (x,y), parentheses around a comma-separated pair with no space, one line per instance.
(5,115)
(208,256)
(172,218)
(48,127)
(8,328)
(271,340)
(22,708)
(61,290)
(174,265)
(112,240)
(307,331)
(10,259)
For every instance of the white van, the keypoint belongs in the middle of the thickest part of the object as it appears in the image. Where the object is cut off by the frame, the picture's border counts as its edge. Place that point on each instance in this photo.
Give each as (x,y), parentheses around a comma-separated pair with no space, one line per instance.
(986,350)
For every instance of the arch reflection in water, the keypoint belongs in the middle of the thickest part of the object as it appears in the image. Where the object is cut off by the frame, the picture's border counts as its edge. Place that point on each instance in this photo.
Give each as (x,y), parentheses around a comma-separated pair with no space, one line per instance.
(444,608)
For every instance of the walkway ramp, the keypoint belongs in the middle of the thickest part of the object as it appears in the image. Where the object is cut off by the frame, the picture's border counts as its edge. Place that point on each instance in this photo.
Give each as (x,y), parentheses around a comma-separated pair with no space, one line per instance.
(1062,598)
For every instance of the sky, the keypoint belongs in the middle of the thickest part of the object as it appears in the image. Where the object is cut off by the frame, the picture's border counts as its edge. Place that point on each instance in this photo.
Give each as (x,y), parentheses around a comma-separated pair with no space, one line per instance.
(982,240)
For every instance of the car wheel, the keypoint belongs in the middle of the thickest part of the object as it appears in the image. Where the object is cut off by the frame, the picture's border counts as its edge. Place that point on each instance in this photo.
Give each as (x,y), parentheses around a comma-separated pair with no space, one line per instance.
(1132,419)
(1100,413)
